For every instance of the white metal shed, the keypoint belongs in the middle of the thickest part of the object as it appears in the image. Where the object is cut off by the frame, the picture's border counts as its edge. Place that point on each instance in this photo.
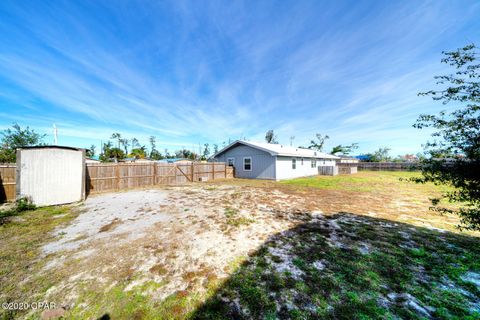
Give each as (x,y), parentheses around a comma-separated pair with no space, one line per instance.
(51,175)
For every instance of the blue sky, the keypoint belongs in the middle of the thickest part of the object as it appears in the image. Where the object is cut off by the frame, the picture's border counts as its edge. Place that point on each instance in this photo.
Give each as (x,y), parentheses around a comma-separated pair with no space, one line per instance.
(206,71)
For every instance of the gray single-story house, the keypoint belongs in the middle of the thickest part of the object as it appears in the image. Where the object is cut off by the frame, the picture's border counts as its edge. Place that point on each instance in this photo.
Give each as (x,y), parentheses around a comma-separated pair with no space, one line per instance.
(256,160)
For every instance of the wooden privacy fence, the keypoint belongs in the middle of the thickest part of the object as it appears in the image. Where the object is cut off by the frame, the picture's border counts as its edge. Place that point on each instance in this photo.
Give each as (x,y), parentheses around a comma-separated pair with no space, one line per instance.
(383,166)
(388,166)
(112,176)
(7,182)
(104,177)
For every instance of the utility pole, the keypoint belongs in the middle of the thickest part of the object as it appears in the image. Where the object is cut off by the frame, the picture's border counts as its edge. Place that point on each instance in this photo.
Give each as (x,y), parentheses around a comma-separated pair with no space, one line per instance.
(55,135)
(291,140)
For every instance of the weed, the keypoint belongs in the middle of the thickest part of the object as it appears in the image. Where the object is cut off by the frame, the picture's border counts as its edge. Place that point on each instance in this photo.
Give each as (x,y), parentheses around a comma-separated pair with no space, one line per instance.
(234,220)
(21,205)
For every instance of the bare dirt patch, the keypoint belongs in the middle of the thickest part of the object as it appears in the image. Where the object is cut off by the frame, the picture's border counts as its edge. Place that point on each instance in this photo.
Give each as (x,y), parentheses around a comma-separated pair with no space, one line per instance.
(167,249)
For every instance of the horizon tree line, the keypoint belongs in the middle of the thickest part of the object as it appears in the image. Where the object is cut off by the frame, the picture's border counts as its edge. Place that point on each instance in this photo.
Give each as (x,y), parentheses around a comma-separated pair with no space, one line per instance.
(122,147)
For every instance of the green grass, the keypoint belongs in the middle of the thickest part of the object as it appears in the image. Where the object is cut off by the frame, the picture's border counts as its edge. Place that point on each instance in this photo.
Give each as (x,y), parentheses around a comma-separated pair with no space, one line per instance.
(137,303)
(354,285)
(21,238)
(233,218)
(365,181)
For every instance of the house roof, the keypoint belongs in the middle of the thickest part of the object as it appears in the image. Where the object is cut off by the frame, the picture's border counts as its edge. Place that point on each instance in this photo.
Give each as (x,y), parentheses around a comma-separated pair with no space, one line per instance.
(280,150)
(172,160)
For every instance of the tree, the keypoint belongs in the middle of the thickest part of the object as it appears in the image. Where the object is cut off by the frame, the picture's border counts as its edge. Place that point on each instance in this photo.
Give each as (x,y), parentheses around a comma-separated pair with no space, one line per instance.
(109,153)
(125,144)
(135,143)
(90,152)
(116,153)
(380,155)
(138,153)
(118,137)
(104,151)
(17,138)
(206,151)
(345,150)
(271,137)
(215,148)
(457,136)
(153,145)
(156,155)
(320,141)
(185,153)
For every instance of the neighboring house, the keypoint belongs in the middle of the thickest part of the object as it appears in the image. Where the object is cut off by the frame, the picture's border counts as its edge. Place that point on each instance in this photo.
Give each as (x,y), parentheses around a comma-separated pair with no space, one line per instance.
(91,160)
(175,160)
(129,160)
(257,160)
(346,159)
(144,160)
(410,158)
(363,157)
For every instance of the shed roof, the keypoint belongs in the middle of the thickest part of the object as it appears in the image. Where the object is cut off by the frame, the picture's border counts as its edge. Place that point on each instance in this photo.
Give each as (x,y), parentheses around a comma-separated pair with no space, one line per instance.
(279,150)
(52,147)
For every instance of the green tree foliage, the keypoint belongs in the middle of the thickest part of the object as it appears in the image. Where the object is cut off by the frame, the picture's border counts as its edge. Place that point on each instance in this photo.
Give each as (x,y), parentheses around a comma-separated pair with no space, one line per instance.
(110,153)
(185,153)
(138,153)
(271,137)
(345,150)
(380,155)
(116,153)
(457,135)
(318,142)
(90,152)
(206,151)
(215,148)
(156,155)
(16,137)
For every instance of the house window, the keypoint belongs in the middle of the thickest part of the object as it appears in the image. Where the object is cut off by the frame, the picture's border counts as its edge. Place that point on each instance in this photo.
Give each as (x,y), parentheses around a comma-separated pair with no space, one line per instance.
(247,164)
(294,163)
(231,162)
(314,163)
(301,161)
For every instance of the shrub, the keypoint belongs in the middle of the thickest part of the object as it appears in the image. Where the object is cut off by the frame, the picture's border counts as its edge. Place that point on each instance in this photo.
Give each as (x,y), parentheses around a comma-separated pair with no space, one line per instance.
(22,204)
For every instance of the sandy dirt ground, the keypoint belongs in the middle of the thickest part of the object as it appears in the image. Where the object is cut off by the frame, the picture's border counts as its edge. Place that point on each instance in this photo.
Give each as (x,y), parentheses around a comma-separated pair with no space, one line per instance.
(183,236)
(178,236)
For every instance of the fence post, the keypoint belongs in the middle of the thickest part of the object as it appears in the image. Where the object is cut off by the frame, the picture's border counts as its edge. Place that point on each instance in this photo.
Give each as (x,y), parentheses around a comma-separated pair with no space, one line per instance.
(213,170)
(154,172)
(193,169)
(117,176)
(225,169)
